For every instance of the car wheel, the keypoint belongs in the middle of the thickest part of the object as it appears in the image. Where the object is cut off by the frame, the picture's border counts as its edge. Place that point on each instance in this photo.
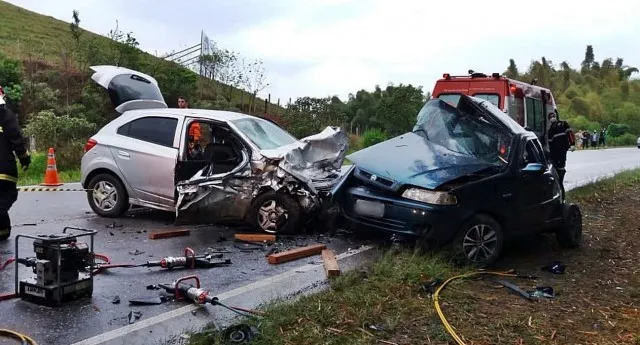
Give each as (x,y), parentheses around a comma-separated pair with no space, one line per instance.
(570,234)
(107,196)
(275,213)
(479,241)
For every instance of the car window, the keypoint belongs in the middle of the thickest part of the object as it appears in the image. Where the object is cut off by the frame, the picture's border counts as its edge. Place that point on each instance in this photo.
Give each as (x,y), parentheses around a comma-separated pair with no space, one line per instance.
(153,129)
(535,114)
(533,153)
(451,98)
(491,97)
(464,130)
(264,134)
(128,87)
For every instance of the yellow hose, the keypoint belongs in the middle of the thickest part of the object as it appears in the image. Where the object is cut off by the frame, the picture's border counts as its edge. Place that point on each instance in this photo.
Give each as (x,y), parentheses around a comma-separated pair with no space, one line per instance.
(22,337)
(446,324)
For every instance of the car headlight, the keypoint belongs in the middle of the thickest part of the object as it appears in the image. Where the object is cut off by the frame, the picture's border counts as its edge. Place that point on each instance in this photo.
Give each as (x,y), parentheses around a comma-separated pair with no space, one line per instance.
(430,196)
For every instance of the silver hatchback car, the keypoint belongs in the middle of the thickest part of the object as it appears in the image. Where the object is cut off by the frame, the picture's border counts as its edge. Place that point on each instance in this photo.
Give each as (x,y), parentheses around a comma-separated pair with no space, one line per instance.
(204,165)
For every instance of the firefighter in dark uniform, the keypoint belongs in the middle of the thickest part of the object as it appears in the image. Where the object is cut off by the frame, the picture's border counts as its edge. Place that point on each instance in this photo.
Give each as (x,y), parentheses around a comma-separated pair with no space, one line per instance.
(12,143)
(561,140)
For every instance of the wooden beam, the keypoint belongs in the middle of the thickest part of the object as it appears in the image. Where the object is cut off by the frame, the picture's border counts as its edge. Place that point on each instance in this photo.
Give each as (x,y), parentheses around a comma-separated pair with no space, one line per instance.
(295,254)
(166,234)
(255,237)
(331,267)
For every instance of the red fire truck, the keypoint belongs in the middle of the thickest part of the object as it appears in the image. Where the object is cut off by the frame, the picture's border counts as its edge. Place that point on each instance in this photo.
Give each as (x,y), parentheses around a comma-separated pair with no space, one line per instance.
(526,103)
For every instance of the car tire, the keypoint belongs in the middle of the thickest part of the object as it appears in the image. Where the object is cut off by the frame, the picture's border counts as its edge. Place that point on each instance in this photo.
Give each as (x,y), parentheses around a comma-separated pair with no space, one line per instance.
(268,207)
(479,241)
(107,186)
(570,234)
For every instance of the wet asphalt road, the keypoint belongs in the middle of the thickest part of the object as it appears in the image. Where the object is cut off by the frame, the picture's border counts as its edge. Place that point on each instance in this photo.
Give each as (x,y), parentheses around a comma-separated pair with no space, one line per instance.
(42,212)
(50,212)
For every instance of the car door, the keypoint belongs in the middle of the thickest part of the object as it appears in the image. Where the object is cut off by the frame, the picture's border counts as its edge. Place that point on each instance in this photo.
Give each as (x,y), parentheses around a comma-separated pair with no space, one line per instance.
(146,154)
(218,191)
(549,189)
(531,187)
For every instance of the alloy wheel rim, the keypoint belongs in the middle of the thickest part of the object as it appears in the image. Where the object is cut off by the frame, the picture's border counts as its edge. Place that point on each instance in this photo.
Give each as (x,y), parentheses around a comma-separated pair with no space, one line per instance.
(269,214)
(105,196)
(480,243)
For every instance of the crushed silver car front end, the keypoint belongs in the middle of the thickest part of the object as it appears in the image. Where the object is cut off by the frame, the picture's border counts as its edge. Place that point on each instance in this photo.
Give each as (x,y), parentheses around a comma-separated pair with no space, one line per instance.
(306,170)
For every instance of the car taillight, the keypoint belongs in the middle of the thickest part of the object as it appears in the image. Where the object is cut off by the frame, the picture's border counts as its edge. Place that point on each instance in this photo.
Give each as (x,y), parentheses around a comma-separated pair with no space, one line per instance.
(90,144)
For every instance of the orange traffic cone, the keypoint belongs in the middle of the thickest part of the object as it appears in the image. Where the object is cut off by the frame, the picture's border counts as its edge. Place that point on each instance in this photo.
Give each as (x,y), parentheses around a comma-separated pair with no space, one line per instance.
(51,177)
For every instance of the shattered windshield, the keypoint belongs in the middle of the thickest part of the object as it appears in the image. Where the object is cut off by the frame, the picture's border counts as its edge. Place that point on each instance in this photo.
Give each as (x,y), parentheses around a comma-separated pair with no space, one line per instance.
(264,134)
(463,130)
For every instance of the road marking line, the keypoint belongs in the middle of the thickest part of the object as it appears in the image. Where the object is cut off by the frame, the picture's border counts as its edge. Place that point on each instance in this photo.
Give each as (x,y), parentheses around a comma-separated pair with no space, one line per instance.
(122,331)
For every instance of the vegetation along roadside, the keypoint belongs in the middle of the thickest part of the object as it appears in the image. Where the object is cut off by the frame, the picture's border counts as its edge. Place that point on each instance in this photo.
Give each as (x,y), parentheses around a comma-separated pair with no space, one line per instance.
(35,174)
(597,299)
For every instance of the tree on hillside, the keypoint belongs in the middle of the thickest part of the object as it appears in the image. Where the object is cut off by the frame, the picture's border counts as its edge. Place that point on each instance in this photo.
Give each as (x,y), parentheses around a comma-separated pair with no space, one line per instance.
(75,27)
(229,70)
(600,94)
(589,58)
(398,108)
(254,79)
(512,70)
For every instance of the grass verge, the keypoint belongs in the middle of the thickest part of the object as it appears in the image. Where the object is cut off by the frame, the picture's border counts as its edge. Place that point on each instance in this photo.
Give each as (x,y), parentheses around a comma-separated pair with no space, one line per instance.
(598,299)
(35,174)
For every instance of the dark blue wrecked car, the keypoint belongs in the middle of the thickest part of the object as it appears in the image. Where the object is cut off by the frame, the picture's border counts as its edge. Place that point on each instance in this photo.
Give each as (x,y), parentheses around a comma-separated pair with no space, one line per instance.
(467,176)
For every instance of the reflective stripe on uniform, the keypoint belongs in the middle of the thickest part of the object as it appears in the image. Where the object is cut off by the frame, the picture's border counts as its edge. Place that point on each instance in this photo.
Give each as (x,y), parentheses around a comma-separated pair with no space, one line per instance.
(4,232)
(8,178)
(1,129)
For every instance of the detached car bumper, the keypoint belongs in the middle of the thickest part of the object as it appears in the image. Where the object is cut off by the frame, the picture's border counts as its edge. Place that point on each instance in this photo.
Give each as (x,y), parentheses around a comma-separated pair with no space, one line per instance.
(379,211)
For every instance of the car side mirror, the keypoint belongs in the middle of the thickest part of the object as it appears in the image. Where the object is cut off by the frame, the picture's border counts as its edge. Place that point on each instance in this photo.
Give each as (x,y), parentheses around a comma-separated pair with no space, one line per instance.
(533,169)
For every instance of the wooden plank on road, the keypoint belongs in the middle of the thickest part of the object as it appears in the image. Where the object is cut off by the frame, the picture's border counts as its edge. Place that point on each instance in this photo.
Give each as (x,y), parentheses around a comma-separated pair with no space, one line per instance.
(331,267)
(295,254)
(166,234)
(255,237)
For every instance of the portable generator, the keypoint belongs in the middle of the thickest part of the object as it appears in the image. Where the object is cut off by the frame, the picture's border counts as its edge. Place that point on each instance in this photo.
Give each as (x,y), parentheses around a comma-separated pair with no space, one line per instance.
(62,268)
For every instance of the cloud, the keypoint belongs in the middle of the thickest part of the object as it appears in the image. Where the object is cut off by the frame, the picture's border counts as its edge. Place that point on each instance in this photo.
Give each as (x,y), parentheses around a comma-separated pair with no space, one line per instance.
(326,47)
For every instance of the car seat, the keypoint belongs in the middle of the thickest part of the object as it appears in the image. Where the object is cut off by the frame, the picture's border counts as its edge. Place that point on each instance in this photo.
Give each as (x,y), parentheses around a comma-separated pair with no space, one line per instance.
(222,156)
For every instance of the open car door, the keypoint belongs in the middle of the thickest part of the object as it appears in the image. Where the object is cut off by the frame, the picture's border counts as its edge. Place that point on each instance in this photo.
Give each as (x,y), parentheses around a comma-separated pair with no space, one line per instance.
(128,89)
(216,183)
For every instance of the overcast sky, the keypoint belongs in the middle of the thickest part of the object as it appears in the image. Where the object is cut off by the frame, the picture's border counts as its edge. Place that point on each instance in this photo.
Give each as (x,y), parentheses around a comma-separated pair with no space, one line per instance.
(334,47)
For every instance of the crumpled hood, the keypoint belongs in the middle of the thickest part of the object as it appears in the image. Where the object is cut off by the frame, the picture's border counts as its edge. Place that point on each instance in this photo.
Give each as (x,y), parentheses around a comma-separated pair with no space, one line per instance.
(315,160)
(411,159)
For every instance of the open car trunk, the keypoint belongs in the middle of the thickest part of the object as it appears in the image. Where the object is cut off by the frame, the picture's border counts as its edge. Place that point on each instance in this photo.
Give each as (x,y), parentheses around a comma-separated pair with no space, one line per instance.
(128,89)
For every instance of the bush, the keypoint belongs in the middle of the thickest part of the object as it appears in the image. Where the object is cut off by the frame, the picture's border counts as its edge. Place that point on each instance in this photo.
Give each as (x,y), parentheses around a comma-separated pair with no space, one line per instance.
(373,136)
(355,142)
(626,139)
(67,135)
(618,129)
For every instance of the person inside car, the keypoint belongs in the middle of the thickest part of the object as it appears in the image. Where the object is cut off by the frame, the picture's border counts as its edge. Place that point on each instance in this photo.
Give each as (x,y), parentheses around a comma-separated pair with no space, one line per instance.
(195,151)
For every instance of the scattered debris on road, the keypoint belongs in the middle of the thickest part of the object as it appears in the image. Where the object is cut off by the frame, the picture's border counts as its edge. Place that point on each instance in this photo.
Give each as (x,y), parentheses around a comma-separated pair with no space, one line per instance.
(134,316)
(296,253)
(168,233)
(555,267)
(136,252)
(330,263)
(255,238)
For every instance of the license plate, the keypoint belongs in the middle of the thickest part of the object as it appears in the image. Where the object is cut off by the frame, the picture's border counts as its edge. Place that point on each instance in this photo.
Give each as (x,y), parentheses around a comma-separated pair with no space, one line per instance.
(369,208)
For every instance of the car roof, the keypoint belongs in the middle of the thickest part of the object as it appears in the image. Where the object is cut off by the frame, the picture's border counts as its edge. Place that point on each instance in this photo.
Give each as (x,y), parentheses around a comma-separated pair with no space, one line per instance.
(218,115)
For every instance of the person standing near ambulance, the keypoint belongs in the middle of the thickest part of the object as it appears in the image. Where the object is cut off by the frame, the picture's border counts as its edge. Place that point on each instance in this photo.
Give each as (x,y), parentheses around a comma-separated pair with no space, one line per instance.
(12,144)
(561,139)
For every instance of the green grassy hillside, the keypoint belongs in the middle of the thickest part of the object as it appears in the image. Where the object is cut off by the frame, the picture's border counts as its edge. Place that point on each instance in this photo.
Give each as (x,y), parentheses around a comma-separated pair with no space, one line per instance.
(30,36)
